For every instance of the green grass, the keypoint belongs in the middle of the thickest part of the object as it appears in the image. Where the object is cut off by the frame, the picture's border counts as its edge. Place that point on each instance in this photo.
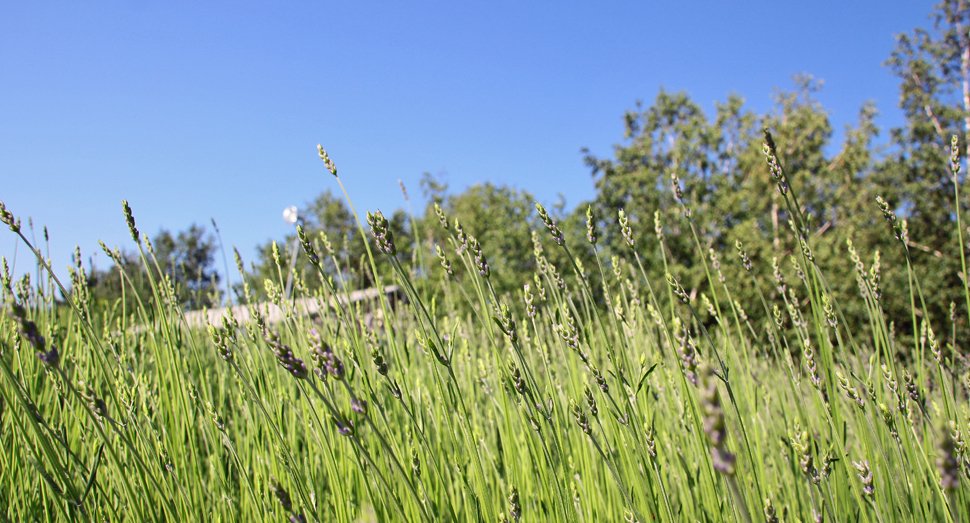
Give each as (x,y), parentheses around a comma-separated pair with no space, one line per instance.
(634,402)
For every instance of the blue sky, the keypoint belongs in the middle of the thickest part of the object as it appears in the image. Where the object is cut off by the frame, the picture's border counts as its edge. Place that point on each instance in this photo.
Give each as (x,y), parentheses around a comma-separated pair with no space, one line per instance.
(213,109)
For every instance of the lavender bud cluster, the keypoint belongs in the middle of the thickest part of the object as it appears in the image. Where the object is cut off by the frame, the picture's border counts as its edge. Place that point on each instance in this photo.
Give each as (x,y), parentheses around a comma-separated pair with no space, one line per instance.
(415,463)
(554,229)
(358,405)
(515,510)
(850,391)
(809,355)
(444,261)
(716,264)
(714,425)
(780,284)
(113,255)
(130,219)
(536,245)
(311,253)
(283,498)
(865,475)
(893,387)
(745,261)
(570,334)
(220,338)
(530,308)
(345,427)
(507,324)
(679,193)
(554,275)
(946,459)
(462,238)
(28,331)
(276,253)
(239,261)
(830,317)
(285,356)
(590,402)
(479,257)
(590,225)
(515,377)
(539,287)
(675,183)
(625,227)
(955,154)
(600,380)
(581,418)
(771,156)
(685,349)
(94,402)
(217,420)
(5,278)
(891,218)
(379,361)
(381,229)
(327,363)
(803,449)
(441,216)
(327,162)
(770,513)
(678,288)
(913,389)
(7,218)
(649,440)
(326,243)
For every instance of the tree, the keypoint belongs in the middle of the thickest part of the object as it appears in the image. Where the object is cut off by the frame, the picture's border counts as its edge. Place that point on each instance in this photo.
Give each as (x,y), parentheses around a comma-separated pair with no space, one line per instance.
(187,260)
(501,218)
(328,221)
(727,187)
(933,67)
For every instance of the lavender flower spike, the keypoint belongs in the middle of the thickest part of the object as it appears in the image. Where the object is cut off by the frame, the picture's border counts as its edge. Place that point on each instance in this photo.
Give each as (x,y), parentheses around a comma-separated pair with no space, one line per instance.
(714,425)
(554,229)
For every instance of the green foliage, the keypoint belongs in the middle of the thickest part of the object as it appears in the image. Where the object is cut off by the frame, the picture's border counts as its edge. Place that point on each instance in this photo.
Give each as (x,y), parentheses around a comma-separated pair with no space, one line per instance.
(327,221)
(568,412)
(186,260)
(500,217)
(714,344)
(933,67)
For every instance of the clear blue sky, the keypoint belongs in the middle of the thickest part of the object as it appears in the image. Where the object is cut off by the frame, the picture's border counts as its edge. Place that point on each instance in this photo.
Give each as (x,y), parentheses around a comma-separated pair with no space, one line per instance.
(192,110)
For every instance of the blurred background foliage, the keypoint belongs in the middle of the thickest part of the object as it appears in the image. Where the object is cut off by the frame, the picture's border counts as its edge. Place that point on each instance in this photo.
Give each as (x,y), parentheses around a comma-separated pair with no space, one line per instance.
(727,186)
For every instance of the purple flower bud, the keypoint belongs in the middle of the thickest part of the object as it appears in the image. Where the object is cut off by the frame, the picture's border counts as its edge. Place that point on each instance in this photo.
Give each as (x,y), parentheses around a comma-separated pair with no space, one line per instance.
(327,162)
(554,230)
(130,219)
(515,510)
(380,227)
(282,496)
(480,258)
(50,358)
(284,356)
(713,417)
(865,475)
(441,216)
(625,227)
(345,429)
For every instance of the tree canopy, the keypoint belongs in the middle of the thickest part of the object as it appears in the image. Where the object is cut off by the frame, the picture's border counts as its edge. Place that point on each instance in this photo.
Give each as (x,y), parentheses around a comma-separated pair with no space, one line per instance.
(675,161)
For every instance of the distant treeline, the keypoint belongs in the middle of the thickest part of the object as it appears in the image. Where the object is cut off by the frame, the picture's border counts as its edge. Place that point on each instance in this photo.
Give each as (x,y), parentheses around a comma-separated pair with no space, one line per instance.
(724,182)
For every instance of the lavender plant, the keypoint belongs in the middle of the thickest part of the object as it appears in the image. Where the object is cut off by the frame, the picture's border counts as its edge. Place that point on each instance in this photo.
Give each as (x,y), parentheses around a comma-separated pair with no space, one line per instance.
(582,396)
